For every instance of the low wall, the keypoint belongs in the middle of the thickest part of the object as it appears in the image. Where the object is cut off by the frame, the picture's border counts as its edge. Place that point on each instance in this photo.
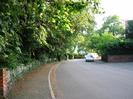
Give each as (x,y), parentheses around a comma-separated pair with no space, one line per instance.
(9,76)
(3,82)
(118,58)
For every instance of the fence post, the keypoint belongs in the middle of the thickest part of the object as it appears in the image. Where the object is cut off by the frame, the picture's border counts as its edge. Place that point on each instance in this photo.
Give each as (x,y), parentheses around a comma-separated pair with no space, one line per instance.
(3,83)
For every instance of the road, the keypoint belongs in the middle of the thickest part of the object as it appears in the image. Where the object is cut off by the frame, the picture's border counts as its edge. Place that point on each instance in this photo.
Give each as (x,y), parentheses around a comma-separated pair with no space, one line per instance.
(77,79)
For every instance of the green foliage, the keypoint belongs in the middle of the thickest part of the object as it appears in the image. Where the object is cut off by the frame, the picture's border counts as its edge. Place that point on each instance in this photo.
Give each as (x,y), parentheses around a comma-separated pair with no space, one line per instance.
(113,25)
(30,29)
(96,41)
(78,56)
(118,48)
(108,39)
(129,29)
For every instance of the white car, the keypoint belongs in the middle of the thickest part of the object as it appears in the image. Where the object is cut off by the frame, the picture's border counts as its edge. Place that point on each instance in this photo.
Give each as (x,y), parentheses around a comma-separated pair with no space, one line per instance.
(90,57)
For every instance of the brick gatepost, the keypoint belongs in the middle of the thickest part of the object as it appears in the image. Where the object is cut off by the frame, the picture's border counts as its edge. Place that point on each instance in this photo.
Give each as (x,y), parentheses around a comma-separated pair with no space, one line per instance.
(3,83)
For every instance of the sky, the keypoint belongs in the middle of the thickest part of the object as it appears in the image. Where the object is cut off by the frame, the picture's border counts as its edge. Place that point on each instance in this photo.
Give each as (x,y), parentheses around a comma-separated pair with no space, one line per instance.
(122,8)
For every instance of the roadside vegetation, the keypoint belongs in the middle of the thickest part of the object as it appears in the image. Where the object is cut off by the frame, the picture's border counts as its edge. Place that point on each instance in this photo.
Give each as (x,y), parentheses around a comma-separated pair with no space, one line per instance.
(113,38)
(42,30)
(52,30)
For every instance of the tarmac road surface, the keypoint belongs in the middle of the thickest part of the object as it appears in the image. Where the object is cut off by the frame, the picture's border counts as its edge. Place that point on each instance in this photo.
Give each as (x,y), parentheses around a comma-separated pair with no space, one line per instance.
(77,79)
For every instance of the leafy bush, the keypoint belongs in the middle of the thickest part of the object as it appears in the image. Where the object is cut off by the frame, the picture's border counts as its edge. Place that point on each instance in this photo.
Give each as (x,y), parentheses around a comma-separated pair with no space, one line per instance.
(78,56)
(118,48)
(129,29)
(97,41)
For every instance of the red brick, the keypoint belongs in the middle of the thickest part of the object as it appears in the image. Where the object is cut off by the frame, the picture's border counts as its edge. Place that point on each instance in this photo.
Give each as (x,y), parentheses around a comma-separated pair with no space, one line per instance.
(118,58)
(3,82)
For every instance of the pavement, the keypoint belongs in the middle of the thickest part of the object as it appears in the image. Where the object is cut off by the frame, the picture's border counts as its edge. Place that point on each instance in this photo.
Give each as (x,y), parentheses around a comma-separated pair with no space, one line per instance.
(33,85)
(77,79)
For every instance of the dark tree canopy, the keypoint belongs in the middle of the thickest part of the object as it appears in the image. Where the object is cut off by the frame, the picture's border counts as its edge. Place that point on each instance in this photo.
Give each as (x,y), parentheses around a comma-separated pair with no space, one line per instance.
(32,29)
(129,29)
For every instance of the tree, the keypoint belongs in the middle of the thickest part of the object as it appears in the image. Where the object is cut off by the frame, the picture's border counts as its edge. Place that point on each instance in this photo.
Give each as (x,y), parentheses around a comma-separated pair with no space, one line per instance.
(113,25)
(66,20)
(31,28)
(96,41)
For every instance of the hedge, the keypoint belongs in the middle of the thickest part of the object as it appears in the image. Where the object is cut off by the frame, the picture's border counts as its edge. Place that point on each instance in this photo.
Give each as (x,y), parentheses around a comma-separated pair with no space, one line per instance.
(118,48)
